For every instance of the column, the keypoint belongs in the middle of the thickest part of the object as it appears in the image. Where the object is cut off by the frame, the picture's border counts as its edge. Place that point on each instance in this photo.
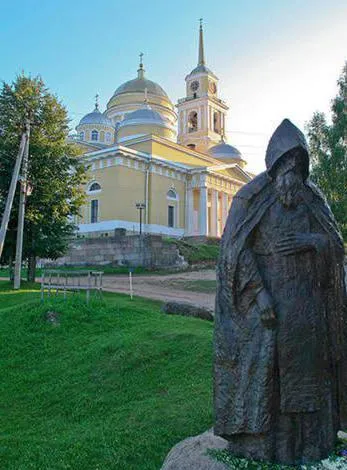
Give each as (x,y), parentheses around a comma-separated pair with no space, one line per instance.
(214,213)
(203,212)
(185,121)
(190,212)
(225,209)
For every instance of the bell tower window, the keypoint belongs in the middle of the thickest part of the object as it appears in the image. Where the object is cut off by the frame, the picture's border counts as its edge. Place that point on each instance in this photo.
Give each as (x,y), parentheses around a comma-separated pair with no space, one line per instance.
(95,135)
(193,121)
(217,122)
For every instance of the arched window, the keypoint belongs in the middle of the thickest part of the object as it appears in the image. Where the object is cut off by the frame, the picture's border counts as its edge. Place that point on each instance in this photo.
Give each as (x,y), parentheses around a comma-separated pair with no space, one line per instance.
(171,194)
(191,146)
(216,122)
(193,121)
(82,135)
(172,198)
(108,136)
(94,187)
(95,135)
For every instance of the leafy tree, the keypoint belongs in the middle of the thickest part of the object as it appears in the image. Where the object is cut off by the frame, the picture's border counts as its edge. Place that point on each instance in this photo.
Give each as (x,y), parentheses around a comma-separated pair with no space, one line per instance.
(55,172)
(328,145)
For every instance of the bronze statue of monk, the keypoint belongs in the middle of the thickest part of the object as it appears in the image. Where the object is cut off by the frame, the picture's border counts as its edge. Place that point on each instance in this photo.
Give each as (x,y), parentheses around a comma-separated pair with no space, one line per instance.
(280,379)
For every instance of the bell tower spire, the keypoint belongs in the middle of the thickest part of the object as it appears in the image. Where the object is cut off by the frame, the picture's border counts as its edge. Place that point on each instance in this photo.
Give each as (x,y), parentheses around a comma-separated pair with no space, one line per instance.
(201,114)
(201,60)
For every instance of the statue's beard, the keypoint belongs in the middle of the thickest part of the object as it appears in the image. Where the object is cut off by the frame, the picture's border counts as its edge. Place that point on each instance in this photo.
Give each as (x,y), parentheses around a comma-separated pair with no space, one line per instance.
(289,192)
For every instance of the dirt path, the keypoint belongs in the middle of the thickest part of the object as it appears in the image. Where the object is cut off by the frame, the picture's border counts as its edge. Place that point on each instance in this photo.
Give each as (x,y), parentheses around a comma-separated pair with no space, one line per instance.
(158,287)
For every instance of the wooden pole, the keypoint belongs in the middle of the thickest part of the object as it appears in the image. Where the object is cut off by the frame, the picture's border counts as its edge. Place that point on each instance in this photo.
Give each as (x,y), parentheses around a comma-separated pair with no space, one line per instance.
(7,212)
(21,213)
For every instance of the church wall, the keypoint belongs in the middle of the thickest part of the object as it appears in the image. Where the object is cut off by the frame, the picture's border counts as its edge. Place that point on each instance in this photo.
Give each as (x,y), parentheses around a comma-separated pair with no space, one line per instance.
(158,212)
(125,98)
(121,187)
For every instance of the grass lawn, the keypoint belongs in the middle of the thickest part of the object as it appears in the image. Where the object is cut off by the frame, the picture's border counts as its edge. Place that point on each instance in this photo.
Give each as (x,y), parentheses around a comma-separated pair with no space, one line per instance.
(113,386)
(197,253)
(196,285)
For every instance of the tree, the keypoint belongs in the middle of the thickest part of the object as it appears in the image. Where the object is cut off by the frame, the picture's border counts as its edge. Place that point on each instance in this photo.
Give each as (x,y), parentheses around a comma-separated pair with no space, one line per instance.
(55,171)
(328,146)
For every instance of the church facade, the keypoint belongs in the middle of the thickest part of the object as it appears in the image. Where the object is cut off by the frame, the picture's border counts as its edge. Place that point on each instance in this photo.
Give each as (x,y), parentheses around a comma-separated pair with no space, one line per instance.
(156,167)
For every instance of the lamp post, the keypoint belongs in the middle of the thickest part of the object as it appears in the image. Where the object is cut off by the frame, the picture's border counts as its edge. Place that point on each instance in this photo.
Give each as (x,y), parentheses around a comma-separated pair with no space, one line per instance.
(140,206)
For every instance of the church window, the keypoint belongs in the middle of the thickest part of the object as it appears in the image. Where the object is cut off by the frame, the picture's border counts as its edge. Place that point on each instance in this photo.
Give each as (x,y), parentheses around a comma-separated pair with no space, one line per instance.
(82,135)
(171,194)
(94,207)
(94,187)
(193,121)
(108,136)
(191,146)
(171,214)
(95,135)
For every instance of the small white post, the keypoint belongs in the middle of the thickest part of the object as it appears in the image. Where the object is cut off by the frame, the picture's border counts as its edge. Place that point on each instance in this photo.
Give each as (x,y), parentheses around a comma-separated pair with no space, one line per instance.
(131,284)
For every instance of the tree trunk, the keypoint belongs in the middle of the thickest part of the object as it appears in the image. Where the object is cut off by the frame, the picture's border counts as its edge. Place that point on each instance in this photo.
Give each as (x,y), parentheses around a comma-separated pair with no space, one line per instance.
(31,268)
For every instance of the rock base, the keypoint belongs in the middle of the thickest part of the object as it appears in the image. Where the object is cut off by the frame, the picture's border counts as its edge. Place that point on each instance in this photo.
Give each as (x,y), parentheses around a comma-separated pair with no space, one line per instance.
(188,310)
(191,454)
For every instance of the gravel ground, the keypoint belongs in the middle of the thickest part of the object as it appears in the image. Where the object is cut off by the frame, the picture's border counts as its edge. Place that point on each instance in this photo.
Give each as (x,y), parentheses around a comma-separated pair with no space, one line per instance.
(164,287)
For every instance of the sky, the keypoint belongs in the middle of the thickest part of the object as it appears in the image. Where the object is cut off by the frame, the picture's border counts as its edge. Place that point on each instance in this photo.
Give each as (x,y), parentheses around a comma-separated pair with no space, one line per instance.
(274,58)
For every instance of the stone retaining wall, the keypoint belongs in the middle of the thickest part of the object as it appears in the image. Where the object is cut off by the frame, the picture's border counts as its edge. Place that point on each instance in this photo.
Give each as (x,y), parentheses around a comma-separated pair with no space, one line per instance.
(150,251)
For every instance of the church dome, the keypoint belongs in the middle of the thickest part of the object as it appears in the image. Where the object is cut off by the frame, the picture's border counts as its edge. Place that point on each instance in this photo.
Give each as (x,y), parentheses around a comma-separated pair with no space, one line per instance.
(139,85)
(129,96)
(224,151)
(144,121)
(145,115)
(96,117)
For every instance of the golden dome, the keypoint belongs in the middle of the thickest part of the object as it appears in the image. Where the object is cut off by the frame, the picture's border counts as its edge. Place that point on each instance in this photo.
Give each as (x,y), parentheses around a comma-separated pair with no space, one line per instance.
(129,96)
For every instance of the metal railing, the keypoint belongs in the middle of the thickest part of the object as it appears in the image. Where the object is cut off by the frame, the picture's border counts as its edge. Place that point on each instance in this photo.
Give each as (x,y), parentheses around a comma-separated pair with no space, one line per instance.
(64,281)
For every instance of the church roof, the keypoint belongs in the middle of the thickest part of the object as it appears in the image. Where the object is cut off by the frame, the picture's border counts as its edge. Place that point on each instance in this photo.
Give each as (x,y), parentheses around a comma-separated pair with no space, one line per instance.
(96,117)
(201,67)
(140,84)
(224,151)
(144,115)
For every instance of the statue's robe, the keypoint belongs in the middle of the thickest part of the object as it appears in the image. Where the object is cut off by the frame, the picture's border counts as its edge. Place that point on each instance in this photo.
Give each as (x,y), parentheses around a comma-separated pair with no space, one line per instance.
(280,393)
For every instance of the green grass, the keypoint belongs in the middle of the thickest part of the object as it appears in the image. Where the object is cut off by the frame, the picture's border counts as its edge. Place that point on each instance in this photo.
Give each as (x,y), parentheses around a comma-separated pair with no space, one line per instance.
(114,386)
(197,253)
(196,285)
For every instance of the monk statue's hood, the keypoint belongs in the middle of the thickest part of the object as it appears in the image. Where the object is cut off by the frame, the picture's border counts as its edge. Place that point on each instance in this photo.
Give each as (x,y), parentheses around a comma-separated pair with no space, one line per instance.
(285,138)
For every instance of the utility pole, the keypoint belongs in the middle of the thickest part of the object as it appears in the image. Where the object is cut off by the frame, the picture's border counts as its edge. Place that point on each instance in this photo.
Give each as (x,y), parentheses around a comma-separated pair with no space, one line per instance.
(21,213)
(7,212)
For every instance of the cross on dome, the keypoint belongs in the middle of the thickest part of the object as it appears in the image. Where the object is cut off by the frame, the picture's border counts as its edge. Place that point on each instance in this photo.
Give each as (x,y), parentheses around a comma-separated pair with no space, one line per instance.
(141,70)
(97,102)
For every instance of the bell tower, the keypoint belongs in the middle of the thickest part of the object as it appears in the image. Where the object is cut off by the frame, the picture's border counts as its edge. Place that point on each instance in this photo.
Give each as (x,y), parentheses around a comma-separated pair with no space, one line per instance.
(201,114)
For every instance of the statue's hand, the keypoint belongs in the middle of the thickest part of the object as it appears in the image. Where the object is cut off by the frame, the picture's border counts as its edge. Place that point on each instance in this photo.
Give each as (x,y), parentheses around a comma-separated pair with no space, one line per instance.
(267,313)
(295,243)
